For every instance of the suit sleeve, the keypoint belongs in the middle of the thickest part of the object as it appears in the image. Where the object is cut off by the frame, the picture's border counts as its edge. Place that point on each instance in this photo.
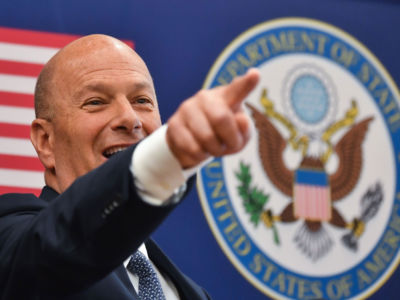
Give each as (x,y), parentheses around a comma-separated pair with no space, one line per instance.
(79,237)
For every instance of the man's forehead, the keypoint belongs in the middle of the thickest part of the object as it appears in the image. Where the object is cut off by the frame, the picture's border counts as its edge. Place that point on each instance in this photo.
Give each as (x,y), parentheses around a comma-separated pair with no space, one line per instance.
(90,44)
(97,54)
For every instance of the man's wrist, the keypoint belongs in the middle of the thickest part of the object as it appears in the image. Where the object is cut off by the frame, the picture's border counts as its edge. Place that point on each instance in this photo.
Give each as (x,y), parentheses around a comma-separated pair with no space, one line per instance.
(158,174)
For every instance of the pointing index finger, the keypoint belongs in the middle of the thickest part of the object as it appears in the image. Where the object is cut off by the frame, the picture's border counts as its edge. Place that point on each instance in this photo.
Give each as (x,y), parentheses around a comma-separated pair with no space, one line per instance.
(240,87)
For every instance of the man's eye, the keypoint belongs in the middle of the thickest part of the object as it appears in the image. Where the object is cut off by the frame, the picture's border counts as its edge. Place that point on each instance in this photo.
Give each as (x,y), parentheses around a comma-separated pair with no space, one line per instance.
(94,102)
(142,101)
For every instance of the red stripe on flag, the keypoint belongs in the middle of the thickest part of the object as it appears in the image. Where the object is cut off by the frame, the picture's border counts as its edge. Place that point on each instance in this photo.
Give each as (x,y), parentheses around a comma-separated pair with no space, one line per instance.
(319,204)
(40,38)
(35,38)
(19,68)
(16,99)
(15,130)
(20,163)
(13,189)
(312,202)
(129,43)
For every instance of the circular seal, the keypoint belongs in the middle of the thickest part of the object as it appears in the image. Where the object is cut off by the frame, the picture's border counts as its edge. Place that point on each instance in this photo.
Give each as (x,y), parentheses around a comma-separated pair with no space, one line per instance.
(309,98)
(311,207)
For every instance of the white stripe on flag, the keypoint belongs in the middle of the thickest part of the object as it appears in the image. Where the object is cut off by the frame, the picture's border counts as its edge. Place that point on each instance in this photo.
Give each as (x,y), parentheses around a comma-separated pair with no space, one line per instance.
(17,84)
(23,53)
(16,115)
(30,179)
(15,146)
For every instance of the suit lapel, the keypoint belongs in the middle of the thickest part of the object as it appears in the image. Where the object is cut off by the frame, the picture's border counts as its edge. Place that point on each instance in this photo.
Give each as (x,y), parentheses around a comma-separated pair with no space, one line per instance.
(186,287)
(115,285)
(122,274)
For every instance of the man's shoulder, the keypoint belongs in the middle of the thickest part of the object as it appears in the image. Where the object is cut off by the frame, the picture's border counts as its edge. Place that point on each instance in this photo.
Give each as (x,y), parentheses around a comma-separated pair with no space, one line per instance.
(14,202)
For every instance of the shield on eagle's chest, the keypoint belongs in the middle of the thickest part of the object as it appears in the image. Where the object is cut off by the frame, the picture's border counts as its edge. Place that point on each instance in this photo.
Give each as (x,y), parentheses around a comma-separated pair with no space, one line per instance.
(311,197)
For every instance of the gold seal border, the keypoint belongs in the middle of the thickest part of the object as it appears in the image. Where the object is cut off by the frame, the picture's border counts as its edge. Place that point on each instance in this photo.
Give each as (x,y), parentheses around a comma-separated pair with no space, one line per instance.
(268,25)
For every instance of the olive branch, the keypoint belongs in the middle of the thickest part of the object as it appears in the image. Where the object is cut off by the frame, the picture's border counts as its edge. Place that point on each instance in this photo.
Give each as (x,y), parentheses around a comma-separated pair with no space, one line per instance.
(253,198)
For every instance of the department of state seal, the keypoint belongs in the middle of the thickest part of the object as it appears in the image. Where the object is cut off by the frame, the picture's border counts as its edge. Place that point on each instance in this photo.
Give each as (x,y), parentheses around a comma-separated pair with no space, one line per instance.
(311,207)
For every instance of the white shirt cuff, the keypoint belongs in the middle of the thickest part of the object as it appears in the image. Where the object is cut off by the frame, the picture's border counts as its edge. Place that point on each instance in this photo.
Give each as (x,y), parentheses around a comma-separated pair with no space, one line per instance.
(158,174)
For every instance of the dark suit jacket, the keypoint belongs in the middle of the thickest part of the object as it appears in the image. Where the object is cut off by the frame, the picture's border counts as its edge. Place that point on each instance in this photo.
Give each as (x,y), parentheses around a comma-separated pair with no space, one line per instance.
(71,246)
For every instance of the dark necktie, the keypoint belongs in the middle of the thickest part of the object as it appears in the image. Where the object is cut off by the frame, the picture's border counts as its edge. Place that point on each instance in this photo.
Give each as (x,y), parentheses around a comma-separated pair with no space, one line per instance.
(149,285)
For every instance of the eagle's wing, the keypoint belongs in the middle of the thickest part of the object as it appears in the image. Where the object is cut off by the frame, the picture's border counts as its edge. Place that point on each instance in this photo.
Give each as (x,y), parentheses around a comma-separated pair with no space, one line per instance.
(271,146)
(349,153)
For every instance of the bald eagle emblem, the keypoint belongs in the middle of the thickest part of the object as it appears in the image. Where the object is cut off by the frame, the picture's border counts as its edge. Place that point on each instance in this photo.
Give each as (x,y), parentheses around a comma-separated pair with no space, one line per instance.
(313,192)
(310,207)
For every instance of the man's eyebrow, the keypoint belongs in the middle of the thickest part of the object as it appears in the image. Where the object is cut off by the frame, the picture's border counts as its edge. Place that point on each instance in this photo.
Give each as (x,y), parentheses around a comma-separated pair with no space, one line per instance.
(139,85)
(104,87)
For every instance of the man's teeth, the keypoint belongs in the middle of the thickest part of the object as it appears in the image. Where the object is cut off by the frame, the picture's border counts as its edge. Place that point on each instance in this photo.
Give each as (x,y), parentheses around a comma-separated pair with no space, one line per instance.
(114,150)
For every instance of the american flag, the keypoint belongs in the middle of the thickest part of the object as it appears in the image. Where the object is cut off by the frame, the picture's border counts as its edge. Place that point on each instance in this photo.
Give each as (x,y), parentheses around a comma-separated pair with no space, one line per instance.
(22,55)
(312,195)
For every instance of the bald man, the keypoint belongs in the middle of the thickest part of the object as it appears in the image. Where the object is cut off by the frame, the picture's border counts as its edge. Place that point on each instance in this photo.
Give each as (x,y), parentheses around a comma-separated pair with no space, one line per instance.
(106,193)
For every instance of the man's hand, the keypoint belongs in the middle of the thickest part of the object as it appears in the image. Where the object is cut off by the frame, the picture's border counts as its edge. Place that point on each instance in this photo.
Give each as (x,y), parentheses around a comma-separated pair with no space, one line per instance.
(212,122)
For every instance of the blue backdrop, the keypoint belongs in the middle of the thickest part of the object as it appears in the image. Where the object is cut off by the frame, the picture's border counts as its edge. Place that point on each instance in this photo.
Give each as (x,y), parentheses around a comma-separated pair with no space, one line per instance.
(180,40)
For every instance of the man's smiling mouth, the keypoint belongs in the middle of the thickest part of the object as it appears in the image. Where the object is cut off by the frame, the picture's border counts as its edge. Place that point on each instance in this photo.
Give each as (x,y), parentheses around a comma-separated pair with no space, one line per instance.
(113,150)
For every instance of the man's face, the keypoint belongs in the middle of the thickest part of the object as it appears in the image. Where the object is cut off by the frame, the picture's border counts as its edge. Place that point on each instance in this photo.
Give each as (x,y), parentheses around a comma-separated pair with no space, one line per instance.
(104,102)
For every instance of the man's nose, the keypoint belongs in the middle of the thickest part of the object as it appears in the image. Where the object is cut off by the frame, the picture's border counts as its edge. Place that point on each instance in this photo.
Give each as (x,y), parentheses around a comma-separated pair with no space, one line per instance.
(125,117)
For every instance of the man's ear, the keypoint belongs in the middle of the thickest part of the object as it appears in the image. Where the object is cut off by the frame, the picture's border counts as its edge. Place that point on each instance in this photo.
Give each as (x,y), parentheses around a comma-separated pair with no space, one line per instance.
(42,139)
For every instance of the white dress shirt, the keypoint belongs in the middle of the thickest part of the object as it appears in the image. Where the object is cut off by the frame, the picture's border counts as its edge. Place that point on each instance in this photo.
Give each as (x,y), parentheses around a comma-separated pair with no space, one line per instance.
(158,176)
(168,287)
